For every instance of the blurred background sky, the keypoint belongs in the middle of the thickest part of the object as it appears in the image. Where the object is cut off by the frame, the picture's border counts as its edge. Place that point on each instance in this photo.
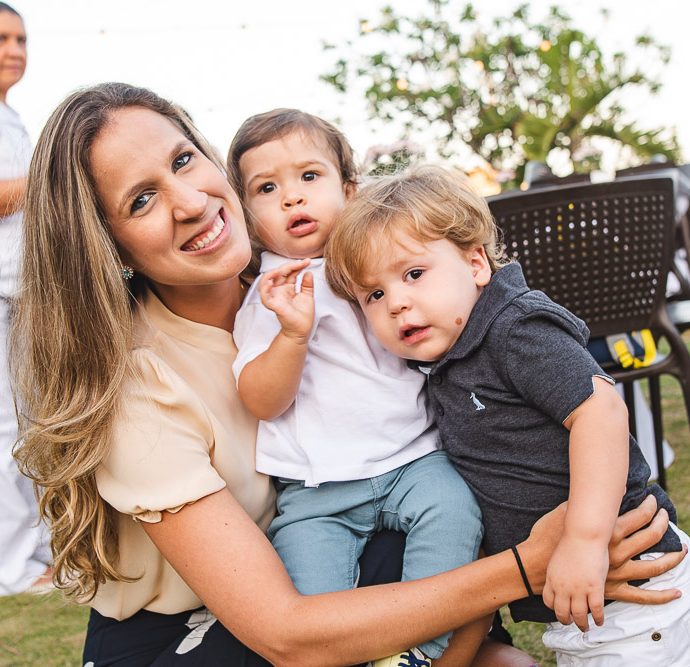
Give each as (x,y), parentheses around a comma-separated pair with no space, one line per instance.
(224,61)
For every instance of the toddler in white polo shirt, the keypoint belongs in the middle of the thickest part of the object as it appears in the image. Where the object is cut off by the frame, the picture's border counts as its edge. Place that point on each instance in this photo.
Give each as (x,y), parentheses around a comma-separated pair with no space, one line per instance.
(344,426)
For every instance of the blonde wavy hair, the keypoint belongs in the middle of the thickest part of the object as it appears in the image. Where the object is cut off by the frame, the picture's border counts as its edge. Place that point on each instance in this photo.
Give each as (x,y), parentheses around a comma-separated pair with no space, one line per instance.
(427,202)
(72,333)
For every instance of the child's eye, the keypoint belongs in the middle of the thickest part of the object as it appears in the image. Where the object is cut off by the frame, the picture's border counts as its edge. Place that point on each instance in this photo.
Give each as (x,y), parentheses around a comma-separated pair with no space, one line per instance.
(309,176)
(376,295)
(267,188)
(140,202)
(414,274)
(181,161)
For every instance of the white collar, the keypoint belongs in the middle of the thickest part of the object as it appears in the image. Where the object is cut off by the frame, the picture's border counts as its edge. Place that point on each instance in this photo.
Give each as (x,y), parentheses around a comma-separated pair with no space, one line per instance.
(270,261)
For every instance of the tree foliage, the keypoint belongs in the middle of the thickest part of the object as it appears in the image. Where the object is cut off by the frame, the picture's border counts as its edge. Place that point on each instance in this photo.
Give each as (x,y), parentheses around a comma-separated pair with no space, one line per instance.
(510,88)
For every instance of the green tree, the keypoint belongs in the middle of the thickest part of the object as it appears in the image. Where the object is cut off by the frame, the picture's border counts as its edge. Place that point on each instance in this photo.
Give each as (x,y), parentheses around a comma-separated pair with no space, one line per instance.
(510,88)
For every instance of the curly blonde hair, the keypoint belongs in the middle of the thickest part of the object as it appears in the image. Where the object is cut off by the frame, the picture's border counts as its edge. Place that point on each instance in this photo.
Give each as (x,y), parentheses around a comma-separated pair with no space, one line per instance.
(72,333)
(427,202)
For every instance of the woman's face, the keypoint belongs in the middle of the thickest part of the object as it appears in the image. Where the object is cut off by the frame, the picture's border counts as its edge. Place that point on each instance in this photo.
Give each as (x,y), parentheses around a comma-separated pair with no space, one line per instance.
(173,215)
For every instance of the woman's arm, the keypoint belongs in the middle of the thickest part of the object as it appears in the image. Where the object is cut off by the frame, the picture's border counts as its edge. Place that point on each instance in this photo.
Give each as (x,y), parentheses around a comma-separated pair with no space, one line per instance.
(231,566)
(11,195)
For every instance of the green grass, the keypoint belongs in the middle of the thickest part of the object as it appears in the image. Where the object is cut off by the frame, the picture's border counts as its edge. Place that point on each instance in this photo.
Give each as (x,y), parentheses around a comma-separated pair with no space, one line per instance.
(40,630)
(45,630)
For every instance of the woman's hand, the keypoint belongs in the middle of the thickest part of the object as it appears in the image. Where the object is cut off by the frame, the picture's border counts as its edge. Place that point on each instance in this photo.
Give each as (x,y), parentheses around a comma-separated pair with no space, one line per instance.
(629,538)
(628,541)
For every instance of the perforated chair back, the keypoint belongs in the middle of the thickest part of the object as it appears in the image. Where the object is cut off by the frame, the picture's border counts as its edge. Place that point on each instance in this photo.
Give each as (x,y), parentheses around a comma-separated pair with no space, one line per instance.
(601,250)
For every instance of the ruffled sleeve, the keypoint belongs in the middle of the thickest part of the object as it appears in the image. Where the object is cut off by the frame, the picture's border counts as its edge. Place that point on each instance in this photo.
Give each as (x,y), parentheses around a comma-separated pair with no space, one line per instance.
(163,445)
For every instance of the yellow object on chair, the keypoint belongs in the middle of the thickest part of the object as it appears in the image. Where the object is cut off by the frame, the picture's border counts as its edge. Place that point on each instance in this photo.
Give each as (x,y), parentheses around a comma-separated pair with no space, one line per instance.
(622,348)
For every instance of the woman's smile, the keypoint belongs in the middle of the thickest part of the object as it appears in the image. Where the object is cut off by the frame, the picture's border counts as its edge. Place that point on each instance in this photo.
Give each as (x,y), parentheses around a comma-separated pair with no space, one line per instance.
(205,239)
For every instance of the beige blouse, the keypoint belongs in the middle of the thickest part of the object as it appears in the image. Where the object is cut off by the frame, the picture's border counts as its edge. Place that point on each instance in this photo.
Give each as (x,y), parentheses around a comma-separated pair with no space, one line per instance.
(182,434)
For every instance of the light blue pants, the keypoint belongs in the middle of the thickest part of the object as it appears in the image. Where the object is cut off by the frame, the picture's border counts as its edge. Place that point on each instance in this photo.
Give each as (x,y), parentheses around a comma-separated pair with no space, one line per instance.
(320,532)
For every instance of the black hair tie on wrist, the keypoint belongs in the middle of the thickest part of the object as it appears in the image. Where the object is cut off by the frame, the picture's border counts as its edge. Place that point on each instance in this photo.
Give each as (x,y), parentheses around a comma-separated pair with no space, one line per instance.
(523,574)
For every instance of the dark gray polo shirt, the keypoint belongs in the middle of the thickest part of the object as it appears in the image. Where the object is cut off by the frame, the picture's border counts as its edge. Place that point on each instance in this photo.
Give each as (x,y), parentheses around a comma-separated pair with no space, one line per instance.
(501,394)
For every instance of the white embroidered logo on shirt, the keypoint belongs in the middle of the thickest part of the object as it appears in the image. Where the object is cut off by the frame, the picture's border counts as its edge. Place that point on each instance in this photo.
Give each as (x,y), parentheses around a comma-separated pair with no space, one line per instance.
(477,403)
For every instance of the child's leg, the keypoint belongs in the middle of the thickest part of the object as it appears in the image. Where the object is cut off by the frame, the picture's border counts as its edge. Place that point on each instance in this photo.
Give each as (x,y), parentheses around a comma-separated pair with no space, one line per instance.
(435,507)
(632,635)
(320,533)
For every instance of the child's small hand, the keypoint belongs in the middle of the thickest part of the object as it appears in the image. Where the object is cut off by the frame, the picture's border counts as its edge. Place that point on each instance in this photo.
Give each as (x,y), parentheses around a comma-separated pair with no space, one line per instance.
(575,581)
(295,310)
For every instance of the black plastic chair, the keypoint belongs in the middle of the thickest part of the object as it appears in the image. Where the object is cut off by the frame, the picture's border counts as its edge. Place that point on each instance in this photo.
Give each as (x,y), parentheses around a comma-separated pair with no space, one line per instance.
(681,186)
(604,251)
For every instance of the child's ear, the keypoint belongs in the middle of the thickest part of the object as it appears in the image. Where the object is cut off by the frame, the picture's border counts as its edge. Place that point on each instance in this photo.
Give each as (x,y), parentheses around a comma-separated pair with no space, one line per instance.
(481,269)
(349,188)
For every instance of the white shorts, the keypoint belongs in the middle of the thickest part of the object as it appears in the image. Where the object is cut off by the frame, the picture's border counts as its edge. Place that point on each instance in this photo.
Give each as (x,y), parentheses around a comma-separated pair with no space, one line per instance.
(633,635)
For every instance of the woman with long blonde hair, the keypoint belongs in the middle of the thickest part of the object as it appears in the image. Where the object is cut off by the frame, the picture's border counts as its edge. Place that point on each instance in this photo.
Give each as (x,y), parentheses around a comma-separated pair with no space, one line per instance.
(133,432)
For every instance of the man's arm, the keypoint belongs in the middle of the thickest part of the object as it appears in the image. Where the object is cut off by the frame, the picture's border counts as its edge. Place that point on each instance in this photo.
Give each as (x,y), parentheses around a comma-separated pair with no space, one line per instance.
(11,195)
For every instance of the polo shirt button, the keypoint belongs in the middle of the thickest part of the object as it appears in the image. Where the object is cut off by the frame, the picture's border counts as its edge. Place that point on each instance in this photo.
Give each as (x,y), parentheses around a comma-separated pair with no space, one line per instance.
(656,636)
(440,411)
(436,379)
